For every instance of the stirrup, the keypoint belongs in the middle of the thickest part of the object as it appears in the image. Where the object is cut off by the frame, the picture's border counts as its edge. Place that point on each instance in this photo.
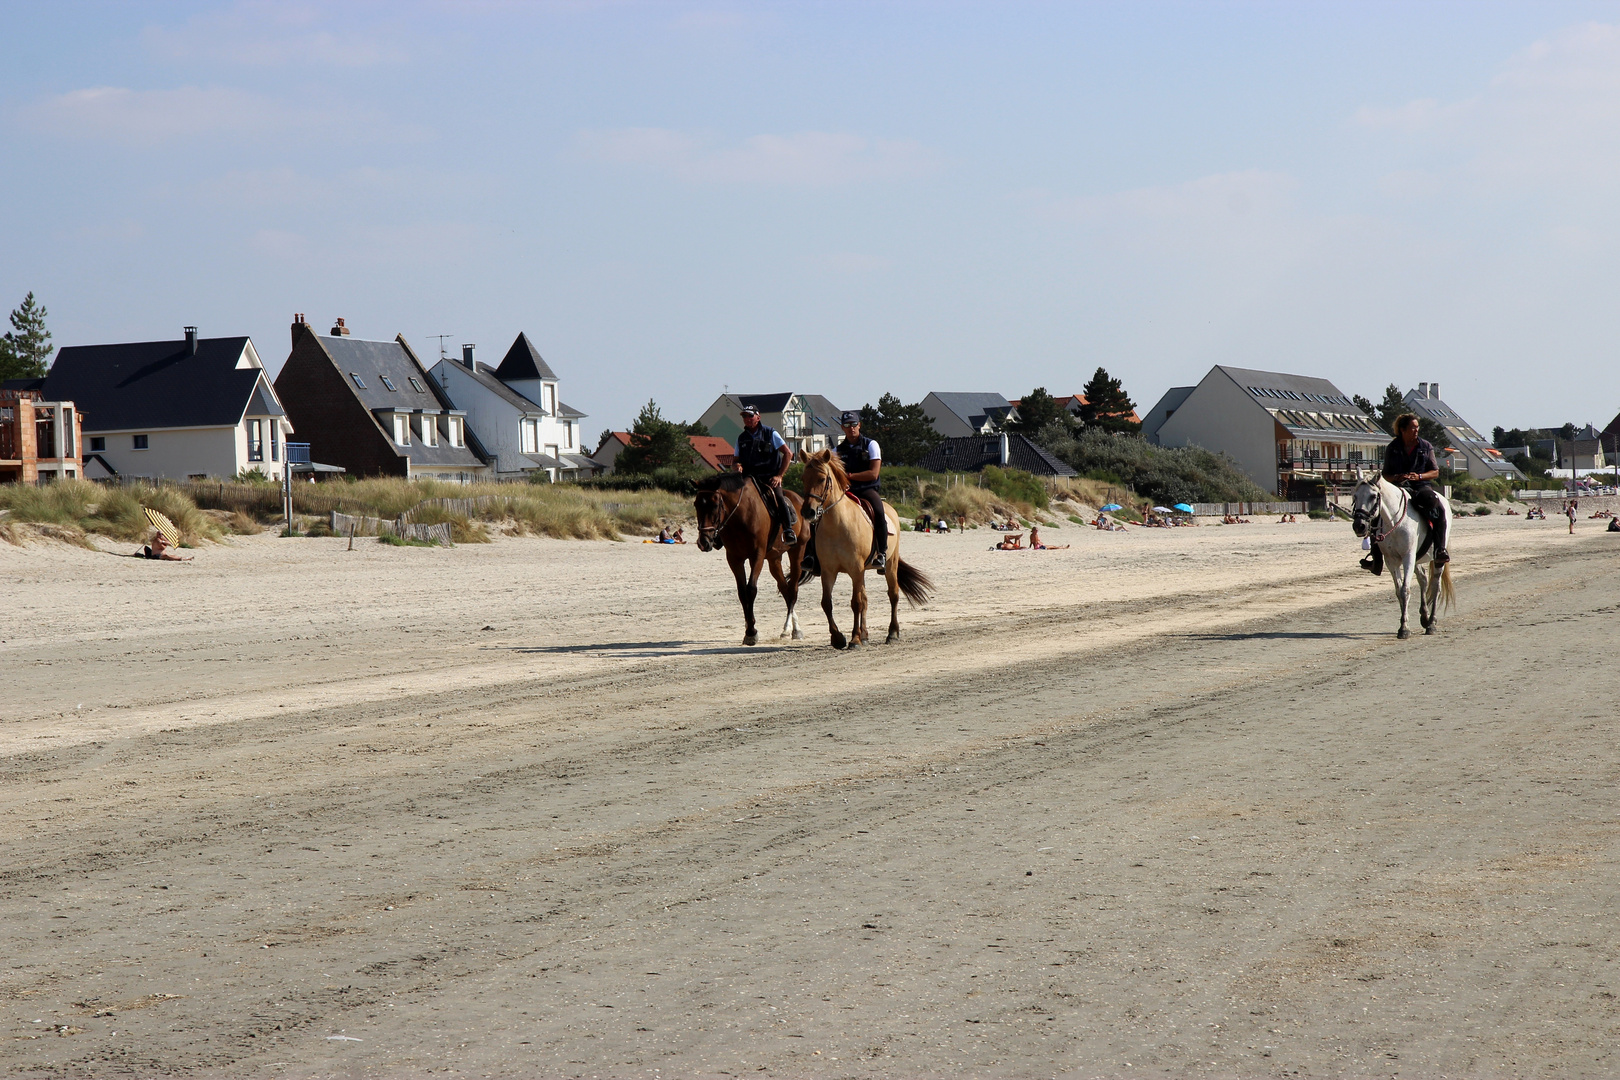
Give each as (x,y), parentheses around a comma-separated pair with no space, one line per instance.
(879,561)
(1371,566)
(789,537)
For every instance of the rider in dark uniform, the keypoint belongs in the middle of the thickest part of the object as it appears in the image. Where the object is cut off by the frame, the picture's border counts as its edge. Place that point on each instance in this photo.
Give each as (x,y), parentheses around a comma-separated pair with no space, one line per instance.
(763,455)
(1409,461)
(863,460)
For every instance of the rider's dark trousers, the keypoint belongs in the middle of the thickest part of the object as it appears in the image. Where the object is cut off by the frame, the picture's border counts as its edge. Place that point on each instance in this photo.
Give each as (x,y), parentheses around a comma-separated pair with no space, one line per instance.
(880,521)
(775,500)
(1427,502)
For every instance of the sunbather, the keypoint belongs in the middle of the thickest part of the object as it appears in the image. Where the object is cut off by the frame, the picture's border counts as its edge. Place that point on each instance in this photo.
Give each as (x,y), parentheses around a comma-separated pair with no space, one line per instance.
(1036,545)
(159,549)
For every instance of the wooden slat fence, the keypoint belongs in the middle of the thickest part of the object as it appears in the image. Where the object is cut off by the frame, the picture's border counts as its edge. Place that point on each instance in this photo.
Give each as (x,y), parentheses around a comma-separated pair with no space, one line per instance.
(1237,509)
(372,526)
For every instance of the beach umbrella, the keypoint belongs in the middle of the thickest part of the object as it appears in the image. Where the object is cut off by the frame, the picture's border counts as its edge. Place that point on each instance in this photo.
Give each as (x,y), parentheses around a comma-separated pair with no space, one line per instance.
(1184,508)
(163,525)
(1113,506)
(1161,510)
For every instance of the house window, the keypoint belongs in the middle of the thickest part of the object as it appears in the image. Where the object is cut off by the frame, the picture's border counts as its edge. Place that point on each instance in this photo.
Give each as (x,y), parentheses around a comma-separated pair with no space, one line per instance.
(98,443)
(531,437)
(402,429)
(386,381)
(430,430)
(458,431)
(568,433)
(138,442)
(551,450)
(255,434)
(275,440)
(551,398)
(358,381)
(418,387)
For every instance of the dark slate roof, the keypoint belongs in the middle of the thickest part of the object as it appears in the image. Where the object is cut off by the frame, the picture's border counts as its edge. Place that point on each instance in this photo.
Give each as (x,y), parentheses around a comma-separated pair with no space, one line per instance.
(154,384)
(970,453)
(264,403)
(568,411)
(1304,389)
(489,380)
(823,413)
(765,403)
(975,409)
(523,361)
(372,360)
(22,384)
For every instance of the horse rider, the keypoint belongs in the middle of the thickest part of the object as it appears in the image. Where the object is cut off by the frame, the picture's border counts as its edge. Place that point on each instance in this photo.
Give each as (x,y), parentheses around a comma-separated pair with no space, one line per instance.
(1409,462)
(763,456)
(863,460)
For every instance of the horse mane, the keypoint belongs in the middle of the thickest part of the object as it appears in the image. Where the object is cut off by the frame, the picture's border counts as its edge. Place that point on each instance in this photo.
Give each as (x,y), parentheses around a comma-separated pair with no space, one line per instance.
(834,466)
(727,481)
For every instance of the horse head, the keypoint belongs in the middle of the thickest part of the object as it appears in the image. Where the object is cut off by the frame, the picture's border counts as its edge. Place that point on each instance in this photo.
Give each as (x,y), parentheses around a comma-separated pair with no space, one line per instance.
(824,481)
(1364,503)
(716,500)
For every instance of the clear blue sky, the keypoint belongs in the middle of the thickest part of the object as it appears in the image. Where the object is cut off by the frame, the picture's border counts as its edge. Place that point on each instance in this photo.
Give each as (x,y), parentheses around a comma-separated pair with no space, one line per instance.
(841,198)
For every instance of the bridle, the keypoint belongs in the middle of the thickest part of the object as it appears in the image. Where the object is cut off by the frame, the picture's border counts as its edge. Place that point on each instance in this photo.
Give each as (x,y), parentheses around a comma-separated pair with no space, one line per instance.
(823,504)
(711,533)
(1376,517)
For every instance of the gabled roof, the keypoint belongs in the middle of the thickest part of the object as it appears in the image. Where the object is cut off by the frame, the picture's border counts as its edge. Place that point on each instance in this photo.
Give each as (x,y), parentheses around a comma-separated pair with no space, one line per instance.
(823,413)
(975,409)
(970,453)
(264,403)
(1277,387)
(568,412)
(486,377)
(156,384)
(374,361)
(523,361)
(715,451)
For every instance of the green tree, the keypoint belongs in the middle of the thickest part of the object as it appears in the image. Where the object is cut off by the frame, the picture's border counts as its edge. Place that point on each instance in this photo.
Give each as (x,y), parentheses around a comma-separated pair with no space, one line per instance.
(1037,409)
(1386,411)
(1364,405)
(1107,405)
(656,444)
(26,348)
(904,432)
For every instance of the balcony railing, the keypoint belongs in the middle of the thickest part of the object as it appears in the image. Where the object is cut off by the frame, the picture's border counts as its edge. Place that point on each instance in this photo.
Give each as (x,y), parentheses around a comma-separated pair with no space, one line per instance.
(1323,464)
(297,453)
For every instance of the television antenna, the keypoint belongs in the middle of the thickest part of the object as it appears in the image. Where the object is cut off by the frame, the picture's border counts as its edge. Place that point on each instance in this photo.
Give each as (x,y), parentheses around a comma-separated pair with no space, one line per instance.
(442,354)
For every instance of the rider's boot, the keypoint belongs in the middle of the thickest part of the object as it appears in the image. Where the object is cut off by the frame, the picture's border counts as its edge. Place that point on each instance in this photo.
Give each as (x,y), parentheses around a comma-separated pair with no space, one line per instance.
(879,560)
(1374,562)
(1441,555)
(808,567)
(785,508)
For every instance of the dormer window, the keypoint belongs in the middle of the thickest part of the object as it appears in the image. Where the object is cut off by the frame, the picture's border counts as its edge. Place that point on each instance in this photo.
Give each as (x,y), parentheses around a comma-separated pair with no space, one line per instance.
(358,381)
(418,387)
(429,430)
(457,434)
(402,429)
(389,383)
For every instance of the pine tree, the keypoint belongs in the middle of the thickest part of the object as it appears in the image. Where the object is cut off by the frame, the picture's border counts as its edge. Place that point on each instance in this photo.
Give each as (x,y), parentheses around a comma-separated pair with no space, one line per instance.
(1390,409)
(904,432)
(1107,405)
(656,443)
(1037,409)
(25,350)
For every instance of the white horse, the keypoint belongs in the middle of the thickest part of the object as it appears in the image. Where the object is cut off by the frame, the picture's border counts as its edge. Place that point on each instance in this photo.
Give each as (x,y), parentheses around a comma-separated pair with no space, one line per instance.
(1382,510)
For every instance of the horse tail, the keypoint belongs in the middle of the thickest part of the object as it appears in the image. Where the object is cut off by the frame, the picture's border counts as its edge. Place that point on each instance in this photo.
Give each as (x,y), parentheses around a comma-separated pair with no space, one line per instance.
(1448,596)
(918,586)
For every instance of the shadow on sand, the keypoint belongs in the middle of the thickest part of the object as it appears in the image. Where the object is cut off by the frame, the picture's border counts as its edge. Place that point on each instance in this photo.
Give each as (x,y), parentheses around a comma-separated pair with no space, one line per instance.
(647,649)
(1282,635)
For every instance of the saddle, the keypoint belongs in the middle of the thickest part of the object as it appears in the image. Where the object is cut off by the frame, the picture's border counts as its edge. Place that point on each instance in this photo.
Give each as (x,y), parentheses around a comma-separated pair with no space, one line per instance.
(866,507)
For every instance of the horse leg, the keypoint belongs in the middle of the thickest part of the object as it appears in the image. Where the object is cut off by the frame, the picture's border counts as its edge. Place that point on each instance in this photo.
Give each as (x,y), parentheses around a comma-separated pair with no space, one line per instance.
(789,588)
(838,641)
(1433,589)
(1403,590)
(857,606)
(893,576)
(747,590)
(1424,614)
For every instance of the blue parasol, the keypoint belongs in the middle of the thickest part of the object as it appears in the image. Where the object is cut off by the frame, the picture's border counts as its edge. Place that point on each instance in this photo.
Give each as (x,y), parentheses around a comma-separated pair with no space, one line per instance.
(1113,506)
(1184,508)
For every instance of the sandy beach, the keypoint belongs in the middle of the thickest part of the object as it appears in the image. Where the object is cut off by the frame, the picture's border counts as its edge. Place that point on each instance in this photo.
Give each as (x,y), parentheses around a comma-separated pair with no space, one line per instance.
(1171,801)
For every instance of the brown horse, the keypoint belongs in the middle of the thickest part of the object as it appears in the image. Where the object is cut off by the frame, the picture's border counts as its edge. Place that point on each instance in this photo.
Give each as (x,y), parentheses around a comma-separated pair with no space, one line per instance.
(844,543)
(731,515)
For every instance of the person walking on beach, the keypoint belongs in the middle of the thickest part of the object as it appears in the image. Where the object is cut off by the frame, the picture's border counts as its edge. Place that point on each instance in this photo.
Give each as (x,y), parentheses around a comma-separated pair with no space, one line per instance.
(1569,512)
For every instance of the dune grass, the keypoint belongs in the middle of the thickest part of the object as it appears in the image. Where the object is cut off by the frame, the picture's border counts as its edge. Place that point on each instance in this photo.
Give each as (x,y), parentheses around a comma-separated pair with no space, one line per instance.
(108,511)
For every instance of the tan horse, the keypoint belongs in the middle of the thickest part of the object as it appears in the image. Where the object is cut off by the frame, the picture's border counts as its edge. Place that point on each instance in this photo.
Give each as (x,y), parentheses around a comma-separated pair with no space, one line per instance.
(844,543)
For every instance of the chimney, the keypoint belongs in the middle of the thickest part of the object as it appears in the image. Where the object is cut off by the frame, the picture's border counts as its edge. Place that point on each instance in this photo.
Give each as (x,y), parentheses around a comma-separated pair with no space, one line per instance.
(340,330)
(1434,389)
(298,325)
(1006,449)
(191,341)
(467,356)
(1423,389)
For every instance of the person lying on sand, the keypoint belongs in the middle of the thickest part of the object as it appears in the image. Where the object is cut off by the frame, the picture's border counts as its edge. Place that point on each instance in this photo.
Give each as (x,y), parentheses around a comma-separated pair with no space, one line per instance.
(1036,545)
(1014,542)
(159,548)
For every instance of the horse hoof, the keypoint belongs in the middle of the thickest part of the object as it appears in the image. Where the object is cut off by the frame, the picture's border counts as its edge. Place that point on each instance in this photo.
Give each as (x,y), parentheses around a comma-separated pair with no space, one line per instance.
(839,642)
(751,639)
(854,643)
(892,638)
(1404,633)
(798,635)
(1432,628)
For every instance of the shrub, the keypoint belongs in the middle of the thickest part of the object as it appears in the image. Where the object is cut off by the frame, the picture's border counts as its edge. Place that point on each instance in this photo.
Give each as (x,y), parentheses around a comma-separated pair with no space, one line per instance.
(404,541)
(1166,475)
(1321,515)
(108,511)
(1016,485)
(1481,511)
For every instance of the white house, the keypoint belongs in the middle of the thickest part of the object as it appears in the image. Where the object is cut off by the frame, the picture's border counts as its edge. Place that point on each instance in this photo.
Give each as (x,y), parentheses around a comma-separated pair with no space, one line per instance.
(1290,433)
(197,407)
(516,414)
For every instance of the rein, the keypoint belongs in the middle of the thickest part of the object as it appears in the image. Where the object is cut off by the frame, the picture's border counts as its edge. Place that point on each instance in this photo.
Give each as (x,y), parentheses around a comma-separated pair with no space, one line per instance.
(714,530)
(1378,537)
(823,504)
